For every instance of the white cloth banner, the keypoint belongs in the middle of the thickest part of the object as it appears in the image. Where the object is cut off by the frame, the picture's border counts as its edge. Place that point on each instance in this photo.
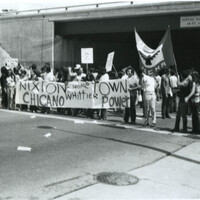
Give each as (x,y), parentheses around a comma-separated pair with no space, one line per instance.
(150,58)
(154,60)
(111,94)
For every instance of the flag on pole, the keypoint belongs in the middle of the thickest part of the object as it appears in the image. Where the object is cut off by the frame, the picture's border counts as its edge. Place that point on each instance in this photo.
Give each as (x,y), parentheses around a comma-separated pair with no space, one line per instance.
(154,60)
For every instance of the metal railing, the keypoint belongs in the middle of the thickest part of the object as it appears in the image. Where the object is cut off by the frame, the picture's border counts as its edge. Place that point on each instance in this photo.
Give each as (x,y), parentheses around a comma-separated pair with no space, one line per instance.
(65,8)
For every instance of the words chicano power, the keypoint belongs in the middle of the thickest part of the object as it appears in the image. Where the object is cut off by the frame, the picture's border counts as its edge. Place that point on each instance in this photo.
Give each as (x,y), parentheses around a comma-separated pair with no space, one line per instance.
(110,94)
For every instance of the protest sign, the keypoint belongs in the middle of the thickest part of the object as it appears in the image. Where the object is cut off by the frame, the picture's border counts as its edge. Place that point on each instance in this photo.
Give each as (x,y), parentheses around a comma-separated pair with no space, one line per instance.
(87,55)
(109,62)
(111,94)
(12,62)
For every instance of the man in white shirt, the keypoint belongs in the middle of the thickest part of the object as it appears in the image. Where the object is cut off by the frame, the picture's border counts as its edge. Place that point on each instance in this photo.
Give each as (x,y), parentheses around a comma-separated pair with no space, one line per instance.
(149,85)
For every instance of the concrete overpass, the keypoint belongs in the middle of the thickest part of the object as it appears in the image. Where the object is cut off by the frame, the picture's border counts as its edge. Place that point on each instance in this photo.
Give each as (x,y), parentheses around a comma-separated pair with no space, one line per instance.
(57,35)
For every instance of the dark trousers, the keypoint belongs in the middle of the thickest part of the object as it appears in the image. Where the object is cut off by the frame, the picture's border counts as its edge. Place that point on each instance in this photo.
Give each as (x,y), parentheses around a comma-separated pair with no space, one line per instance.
(181,113)
(103,114)
(90,113)
(165,105)
(194,107)
(130,111)
(4,101)
(45,109)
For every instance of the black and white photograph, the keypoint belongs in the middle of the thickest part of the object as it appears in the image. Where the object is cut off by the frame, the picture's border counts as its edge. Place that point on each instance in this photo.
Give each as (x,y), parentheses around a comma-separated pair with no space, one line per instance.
(99,99)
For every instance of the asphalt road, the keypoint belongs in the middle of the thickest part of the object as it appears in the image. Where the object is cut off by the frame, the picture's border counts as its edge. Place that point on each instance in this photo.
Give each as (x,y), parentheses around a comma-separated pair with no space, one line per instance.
(66,152)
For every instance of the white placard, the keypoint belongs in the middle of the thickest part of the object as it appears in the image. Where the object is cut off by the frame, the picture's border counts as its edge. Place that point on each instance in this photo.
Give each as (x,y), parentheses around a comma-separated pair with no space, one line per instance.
(87,55)
(12,62)
(109,62)
(190,21)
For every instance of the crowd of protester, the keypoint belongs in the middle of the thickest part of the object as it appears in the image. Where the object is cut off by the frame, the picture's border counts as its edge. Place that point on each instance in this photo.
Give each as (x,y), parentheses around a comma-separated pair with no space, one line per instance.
(178,94)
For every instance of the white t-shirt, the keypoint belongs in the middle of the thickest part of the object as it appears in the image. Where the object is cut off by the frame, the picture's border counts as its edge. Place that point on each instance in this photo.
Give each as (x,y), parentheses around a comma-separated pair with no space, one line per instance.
(148,83)
(173,81)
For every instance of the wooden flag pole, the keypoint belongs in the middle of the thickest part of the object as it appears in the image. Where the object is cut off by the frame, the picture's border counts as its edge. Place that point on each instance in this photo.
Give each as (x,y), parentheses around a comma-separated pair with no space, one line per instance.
(114,68)
(87,68)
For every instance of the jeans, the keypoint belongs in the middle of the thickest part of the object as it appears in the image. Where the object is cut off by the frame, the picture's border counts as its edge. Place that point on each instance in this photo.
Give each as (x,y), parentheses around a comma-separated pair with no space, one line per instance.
(165,105)
(150,106)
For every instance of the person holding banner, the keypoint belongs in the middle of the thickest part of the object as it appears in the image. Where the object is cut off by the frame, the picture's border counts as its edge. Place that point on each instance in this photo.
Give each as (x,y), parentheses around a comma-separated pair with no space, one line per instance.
(48,77)
(133,87)
(184,93)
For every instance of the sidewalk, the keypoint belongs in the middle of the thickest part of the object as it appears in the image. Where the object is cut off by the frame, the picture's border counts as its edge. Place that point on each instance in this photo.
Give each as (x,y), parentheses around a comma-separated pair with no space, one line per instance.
(175,176)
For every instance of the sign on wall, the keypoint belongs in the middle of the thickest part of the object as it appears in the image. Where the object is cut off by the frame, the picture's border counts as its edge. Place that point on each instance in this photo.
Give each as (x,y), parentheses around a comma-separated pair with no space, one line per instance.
(87,55)
(190,21)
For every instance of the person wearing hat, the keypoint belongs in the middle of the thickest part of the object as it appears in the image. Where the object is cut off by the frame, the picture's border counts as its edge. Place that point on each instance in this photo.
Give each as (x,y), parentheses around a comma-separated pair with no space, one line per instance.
(78,66)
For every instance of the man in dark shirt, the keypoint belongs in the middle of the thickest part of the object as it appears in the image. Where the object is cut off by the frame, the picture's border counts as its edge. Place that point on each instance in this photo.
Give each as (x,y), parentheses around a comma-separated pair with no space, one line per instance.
(185,89)
(166,93)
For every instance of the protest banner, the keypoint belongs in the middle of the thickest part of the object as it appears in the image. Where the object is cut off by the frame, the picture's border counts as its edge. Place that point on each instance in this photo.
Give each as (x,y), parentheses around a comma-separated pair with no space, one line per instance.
(109,62)
(154,60)
(111,94)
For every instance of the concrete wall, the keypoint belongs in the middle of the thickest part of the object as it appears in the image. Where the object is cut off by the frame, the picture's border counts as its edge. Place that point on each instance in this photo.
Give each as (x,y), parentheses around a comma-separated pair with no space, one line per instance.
(28,39)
